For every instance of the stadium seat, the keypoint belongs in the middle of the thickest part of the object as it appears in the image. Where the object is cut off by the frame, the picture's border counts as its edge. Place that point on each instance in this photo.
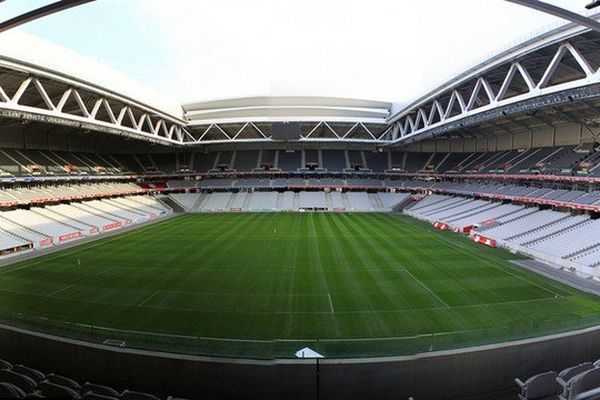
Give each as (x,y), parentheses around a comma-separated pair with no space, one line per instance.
(25,383)
(95,396)
(566,377)
(99,389)
(9,391)
(568,373)
(540,386)
(131,395)
(585,386)
(5,365)
(49,389)
(34,374)
(61,380)
(34,395)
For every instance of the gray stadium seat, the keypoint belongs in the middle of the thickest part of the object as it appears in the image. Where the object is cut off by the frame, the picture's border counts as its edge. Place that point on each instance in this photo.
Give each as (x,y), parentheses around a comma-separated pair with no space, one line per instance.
(99,389)
(34,395)
(585,386)
(61,380)
(566,377)
(5,365)
(539,386)
(95,396)
(568,373)
(49,389)
(34,374)
(8,391)
(131,395)
(23,382)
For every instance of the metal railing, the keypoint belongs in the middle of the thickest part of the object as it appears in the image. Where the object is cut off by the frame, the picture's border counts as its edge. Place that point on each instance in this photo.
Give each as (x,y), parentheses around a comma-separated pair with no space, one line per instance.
(285,348)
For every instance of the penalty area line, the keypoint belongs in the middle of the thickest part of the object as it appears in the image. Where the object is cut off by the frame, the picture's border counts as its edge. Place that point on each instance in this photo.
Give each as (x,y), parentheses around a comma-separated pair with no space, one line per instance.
(141,304)
(332,310)
(426,288)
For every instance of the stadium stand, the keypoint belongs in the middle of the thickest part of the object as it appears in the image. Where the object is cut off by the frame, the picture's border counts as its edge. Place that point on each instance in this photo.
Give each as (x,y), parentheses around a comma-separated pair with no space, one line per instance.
(164,162)
(334,160)
(286,201)
(215,202)
(289,161)
(581,381)
(186,200)
(311,158)
(558,160)
(204,162)
(21,382)
(521,226)
(312,200)
(245,160)
(359,201)
(267,160)
(376,162)
(557,237)
(216,183)
(59,214)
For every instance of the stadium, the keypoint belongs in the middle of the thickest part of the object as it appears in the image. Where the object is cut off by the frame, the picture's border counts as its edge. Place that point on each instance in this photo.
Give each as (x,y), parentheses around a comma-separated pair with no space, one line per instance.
(305,247)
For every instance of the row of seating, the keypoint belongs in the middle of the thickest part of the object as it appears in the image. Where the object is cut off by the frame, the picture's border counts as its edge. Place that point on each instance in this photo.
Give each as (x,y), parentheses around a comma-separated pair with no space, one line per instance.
(288,201)
(579,382)
(273,183)
(21,382)
(553,160)
(39,194)
(560,238)
(491,189)
(45,226)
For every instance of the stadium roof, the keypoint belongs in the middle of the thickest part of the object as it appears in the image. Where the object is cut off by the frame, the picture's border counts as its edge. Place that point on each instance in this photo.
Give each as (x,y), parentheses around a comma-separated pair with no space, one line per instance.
(287,109)
(43,80)
(44,55)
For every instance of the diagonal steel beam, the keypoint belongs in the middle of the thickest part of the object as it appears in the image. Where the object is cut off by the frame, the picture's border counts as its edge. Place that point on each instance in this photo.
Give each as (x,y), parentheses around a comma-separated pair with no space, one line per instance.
(559,12)
(40,13)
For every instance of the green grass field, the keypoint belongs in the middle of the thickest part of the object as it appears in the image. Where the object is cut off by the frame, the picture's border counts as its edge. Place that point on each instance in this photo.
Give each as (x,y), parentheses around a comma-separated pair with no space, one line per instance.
(264,285)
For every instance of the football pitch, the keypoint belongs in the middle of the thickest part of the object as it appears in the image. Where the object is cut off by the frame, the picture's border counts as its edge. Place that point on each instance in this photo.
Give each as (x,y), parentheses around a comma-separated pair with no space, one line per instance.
(263,285)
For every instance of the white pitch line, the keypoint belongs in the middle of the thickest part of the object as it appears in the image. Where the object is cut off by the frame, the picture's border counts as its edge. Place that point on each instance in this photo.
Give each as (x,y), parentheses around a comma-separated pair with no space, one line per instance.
(81,281)
(61,290)
(461,248)
(148,298)
(291,340)
(427,288)
(398,310)
(331,304)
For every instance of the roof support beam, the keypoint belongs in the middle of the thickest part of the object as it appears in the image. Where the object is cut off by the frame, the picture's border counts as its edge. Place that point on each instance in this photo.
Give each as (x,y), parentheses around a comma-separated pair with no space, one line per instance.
(40,13)
(559,12)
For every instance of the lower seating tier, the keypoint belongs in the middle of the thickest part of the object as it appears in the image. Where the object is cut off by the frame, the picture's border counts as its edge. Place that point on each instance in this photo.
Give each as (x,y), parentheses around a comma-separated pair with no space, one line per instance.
(288,201)
(47,226)
(559,238)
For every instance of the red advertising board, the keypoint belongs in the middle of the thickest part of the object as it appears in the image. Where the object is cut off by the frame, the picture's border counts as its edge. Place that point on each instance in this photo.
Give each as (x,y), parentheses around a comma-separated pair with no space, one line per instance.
(111,226)
(483,240)
(441,225)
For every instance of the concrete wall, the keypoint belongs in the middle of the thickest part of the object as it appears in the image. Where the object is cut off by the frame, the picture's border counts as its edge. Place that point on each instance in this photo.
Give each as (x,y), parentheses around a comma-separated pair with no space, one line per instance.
(443,375)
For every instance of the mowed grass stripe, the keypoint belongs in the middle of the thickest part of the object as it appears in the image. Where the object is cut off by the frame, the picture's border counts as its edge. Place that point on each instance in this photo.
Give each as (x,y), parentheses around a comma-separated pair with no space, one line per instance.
(287,277)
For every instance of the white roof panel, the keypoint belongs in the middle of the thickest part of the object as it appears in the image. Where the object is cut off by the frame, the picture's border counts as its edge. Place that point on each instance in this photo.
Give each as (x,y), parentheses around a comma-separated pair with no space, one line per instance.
(32,50)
